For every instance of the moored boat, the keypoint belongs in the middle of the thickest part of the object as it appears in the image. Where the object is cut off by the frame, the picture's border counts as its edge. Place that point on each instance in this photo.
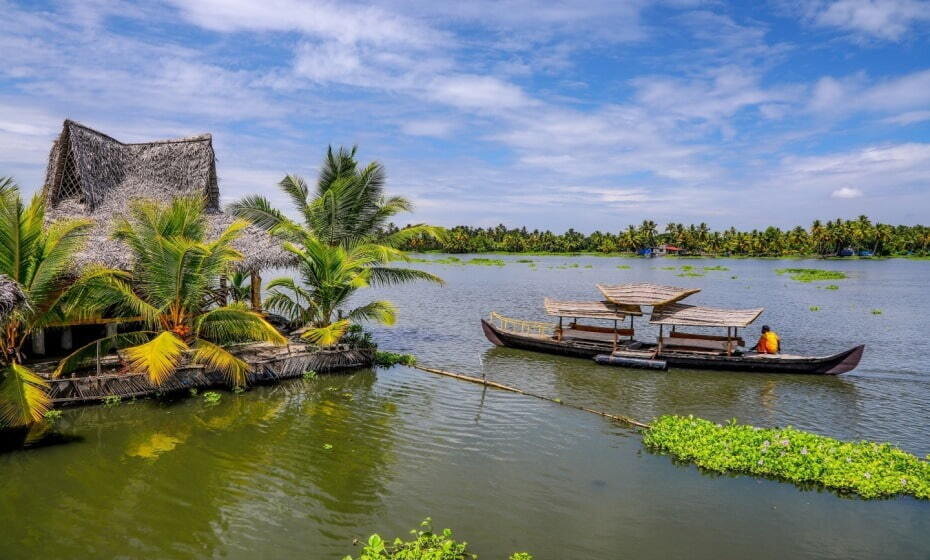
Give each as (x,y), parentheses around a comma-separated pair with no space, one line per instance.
(677,349)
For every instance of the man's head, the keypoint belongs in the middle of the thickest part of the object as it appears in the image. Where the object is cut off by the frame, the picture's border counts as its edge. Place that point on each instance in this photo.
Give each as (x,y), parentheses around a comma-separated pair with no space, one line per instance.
(765,328)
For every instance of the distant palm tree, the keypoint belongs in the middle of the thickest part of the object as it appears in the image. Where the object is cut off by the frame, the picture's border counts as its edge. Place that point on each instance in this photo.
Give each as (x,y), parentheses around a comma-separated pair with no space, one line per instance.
(342,243)
(37,262)
(175,271)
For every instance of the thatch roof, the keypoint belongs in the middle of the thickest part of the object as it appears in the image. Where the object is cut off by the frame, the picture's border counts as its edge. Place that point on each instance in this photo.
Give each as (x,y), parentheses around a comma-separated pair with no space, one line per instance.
(696,316)
(589,309)
(92,175)
(644,294)
(11,295)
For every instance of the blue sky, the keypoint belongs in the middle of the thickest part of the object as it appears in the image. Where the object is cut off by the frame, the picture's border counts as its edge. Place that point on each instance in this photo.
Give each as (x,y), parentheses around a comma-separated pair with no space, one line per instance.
(585,114)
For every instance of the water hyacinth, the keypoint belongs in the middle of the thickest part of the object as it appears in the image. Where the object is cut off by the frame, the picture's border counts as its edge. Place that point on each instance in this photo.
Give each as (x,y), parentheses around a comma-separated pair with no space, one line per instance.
(869,469)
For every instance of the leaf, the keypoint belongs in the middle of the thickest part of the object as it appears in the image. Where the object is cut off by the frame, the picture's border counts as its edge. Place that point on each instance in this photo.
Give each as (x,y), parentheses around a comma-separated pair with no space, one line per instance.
(327,335)
(221,360)
(158,358)
(23,396)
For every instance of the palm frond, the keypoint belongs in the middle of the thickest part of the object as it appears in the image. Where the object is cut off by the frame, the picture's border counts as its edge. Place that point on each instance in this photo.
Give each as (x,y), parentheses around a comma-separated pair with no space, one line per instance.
(236,323)
(383,312)
(23,396)
(220,359)
(157,358)
(388,276)
(85,355)
(327,335)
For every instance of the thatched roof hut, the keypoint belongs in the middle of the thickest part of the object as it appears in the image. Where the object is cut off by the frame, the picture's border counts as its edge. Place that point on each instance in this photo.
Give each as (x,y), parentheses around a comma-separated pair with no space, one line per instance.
(92,175)
(11,295)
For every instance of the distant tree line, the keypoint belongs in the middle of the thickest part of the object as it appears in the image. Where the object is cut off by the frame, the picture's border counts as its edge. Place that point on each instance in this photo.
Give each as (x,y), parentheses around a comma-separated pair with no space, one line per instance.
(829,238)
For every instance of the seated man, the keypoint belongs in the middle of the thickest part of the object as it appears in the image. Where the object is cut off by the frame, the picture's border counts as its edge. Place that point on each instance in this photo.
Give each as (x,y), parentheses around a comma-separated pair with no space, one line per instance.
(769,343)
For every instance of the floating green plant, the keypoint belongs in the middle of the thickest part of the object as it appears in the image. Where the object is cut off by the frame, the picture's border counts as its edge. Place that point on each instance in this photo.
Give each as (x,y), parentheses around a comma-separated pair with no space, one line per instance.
(327,446)
(690,274)
(668,268)
(525,260)
(733,277)
(309,374)
(815,308)
(876,312)
(112,400)
(831,287)
(211,397)
(389,359)
(624,266)
(812,274)
(869,469)
(480,261)
(717,267)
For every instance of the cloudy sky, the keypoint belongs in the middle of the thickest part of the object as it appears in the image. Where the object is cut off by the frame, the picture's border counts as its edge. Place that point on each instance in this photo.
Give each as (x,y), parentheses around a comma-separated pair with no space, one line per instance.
(589,114)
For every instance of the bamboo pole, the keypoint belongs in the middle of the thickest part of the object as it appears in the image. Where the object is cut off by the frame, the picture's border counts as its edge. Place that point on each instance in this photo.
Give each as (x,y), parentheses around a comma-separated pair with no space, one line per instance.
(256,291)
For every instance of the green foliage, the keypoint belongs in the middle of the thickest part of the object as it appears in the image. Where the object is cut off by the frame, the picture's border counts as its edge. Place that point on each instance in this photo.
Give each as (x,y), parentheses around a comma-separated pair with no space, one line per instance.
(425,545)
(309,375)
(389,359)
(486,262)
(211,397)
(110,401)
(870,469)
(831,287)
(52,416)
(521,556)
(815,308)
(876,312)
(812,274)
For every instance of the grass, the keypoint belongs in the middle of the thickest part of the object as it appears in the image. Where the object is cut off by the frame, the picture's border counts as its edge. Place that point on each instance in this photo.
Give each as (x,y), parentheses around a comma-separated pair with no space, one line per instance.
(812,274)
(869,469)
(389,359)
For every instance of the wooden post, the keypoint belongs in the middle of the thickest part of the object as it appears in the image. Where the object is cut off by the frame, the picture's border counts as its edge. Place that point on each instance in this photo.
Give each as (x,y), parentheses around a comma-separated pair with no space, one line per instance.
(632,332)
(560,329)
(67,339)
(729,348)
(98,357)
(615,335)
(224,290)
(659,347)
(112,329)
(256,291)
(38,342)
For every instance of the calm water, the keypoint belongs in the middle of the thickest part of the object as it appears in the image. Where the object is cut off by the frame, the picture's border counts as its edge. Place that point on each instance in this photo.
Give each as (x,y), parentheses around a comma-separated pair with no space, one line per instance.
(252,476)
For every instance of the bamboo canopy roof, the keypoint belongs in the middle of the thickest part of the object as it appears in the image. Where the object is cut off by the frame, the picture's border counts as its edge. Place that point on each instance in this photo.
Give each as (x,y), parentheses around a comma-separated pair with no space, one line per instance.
(645,294)
(11,295)
(589,309)
(92,175)
(696,316)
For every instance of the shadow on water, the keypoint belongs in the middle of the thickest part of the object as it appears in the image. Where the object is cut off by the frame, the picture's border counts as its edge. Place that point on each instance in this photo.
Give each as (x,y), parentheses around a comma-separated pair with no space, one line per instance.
(34,437)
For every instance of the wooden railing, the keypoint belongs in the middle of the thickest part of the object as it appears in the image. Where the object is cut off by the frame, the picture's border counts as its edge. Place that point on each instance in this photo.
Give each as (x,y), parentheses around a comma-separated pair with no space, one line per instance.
(521,326)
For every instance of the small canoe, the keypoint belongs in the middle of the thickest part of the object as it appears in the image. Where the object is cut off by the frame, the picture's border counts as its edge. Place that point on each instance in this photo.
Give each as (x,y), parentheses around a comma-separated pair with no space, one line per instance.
(749,362)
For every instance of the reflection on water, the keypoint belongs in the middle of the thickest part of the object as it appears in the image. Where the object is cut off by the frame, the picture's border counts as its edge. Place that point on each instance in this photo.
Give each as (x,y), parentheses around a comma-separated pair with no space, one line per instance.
(299,469)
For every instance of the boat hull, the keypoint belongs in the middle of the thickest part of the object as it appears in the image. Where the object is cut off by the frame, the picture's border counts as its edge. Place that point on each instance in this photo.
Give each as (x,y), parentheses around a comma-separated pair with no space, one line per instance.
(814,365)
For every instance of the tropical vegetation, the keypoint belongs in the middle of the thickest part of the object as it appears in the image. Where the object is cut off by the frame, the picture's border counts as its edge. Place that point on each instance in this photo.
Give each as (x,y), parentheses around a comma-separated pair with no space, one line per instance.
(340,245)
(170,290)
(821,238)
(869,469)
(35,259)
(426,544)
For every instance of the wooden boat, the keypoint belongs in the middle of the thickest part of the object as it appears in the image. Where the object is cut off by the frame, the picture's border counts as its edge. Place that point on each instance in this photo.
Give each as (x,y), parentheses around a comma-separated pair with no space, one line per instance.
(678,349)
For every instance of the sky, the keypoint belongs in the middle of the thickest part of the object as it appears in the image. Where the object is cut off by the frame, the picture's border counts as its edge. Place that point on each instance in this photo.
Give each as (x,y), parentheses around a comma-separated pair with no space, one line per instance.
(590,115)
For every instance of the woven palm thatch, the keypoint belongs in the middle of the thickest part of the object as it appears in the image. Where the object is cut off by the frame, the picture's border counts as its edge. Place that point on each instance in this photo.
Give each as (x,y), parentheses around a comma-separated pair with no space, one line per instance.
(589,309)
(92,175)
(11,295)
(696,316)
(645,294)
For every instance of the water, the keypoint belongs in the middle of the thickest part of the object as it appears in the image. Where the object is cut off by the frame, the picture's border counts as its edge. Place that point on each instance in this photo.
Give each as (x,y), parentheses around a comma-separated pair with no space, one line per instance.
(252,476)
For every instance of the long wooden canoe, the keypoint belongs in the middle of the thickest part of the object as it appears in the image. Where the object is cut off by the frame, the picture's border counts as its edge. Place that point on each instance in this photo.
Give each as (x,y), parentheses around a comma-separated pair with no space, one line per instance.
(779,363)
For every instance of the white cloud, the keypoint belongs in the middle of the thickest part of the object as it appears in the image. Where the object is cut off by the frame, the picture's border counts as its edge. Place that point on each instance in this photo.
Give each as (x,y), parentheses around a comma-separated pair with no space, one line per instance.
(882,19)
(910,117)
(846,192)
(438,128)
(470,91)
(857,94)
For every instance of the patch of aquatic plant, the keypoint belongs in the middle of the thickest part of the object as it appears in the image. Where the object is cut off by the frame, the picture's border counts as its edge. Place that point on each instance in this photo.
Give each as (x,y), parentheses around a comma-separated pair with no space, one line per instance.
(589,266)
(388,359)
(237,390)
(690,274)
(876,312)
(309,374)
(52,416)
(211,397)
(193,391)
(624,266)
(525,260)
(669,268)
(718,267)
(812,274)
(112,400)
(486,262)
(733,277)
(869,469)
(831,287)
(327,446)
(425,544)
(815,308)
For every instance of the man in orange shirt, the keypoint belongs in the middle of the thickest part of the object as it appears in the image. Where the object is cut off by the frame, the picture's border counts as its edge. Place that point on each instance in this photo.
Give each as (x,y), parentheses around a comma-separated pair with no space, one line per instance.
(769,343)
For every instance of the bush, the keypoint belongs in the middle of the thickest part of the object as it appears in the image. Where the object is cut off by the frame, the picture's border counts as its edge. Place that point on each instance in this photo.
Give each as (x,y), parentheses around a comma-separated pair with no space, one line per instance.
(389,359)
(52,416)
(357,337)
(870,469)
(425,545)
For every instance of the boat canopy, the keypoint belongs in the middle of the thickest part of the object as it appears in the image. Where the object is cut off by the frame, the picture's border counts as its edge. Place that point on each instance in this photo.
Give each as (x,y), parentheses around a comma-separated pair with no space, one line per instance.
(645,294)
(697,316)
(590,309)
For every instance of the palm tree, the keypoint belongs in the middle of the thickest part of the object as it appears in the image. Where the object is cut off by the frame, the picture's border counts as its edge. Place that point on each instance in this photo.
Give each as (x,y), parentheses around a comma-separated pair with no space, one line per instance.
(342,243)
(175,271)
(36,262)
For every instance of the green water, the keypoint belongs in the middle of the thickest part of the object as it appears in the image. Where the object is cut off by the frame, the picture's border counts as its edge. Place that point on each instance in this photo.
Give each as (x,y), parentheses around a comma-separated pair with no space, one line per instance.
(254,475)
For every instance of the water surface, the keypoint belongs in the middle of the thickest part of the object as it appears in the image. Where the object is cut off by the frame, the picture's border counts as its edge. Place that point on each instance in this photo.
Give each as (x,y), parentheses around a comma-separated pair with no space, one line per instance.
(254,476)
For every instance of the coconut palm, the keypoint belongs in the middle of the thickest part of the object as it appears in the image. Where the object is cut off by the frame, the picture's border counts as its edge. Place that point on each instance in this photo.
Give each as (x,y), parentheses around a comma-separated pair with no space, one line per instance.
(342,243)
(34,265)
(176,270)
